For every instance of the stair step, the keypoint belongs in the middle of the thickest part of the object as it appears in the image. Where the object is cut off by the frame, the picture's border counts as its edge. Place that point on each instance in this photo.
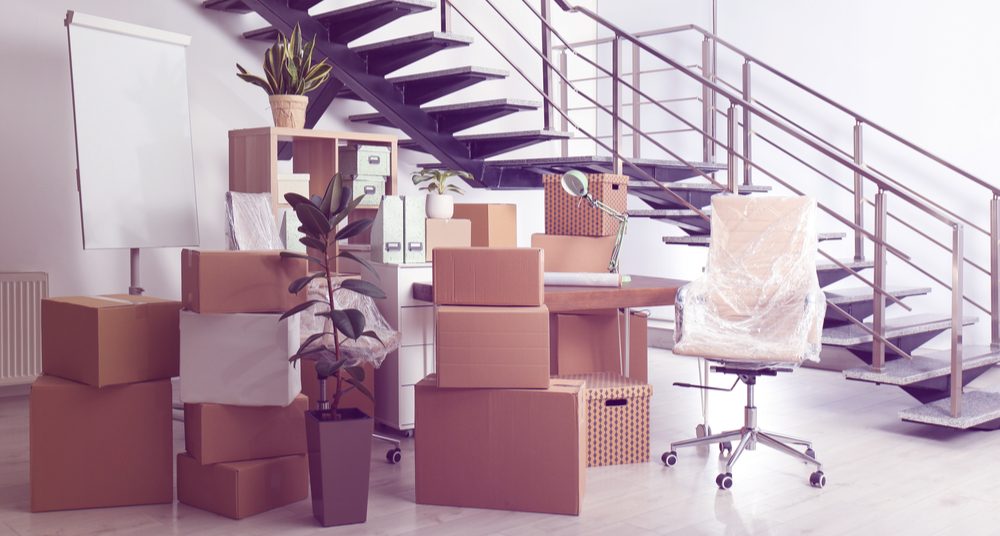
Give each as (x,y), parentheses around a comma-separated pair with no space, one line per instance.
(851,335)
(978,408)
(830,272)
(664,213)
(229,6)
(487,145)
(698,193)
(843,296)
(636,184)
(456,117)
(705,240)
(424,87)
(387,56)
(925,365)
(349,23)
(684,218)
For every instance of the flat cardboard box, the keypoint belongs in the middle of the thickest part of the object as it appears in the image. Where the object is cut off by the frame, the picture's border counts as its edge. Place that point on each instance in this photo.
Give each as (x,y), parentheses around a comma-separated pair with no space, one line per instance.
(215,433)
(353,399)
(492,346)
(489,276)
(96,448)
(617,419)
(110,340)
(493,225)
(239,359)
(589,342)
(565,253)
(239,281)
(451,233)
(241,489)
(507,449)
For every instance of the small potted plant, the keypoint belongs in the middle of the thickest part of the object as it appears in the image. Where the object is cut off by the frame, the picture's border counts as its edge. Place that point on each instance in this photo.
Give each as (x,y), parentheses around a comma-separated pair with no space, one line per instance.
(289,73)
(440,203)
(338,439)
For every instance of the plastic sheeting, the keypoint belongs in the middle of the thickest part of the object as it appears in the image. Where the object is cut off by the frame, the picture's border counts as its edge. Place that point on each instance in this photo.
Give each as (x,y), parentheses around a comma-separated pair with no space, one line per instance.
(250,223)
(759,299)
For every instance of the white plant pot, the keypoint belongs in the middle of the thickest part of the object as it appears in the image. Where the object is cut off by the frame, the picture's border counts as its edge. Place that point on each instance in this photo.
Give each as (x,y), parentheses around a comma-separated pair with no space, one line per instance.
(440,206)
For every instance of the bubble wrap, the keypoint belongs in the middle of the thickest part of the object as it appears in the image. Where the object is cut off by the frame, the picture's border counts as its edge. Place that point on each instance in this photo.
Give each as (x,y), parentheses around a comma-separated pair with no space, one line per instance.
(759,299)
(250,223)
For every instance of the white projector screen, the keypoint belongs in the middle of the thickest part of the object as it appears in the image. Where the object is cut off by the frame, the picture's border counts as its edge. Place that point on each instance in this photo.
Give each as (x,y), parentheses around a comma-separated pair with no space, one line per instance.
(133,134)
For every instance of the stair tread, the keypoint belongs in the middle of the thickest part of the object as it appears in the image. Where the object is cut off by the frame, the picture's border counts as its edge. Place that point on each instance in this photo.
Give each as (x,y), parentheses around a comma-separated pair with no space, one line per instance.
(850,334)
(664,212)
(554,134)
(925,365)
(704,240)
(852,264)
(426,36)
(568,161)
(231,6)
(698,186)
(464,106)
(430,75)
(415,6)
(855,294)
(978,407)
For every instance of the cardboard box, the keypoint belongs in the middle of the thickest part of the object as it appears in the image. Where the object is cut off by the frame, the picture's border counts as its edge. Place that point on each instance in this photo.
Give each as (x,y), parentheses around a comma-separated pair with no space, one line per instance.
(215,433)
(110,340)
(492,346)
(239,359)
(508,449)
(239,281)
(489,276)
(575,253)
(493,225)
(447,234)
(95,448)
(595,342)
(617,419)
(569,215)
(242,489)
(353,399)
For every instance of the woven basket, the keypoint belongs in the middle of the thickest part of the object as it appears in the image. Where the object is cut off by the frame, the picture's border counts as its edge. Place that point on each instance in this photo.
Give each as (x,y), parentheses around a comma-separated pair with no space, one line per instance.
(289,111)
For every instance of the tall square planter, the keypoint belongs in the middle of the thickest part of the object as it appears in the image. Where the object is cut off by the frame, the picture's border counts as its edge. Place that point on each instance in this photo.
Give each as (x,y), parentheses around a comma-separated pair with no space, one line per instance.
(339,466)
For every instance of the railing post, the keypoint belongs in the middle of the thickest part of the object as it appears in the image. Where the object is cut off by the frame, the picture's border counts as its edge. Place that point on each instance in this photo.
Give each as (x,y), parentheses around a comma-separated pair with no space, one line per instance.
(995,272)
(733,184)
(546,70)
(445,16)
(747,132)
(616,104)
(957,295)
(636,103)
(564,98)
(707,103)
(878,299)
(859,194)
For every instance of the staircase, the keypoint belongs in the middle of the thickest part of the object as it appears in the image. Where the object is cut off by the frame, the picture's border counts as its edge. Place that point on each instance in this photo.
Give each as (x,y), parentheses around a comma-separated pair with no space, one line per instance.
(675,187)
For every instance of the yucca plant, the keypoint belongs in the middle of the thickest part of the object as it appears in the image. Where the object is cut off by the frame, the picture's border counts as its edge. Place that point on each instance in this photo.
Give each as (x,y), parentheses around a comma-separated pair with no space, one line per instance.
(289,67)
(320,217)
(436,180)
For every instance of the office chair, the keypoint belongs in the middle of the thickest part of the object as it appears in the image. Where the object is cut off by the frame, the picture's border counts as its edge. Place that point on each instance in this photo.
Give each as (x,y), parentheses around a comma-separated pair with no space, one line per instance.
(756,311)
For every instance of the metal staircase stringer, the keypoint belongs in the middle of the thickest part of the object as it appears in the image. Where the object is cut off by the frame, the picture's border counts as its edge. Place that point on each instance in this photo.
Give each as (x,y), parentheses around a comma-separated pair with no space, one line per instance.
(352,72)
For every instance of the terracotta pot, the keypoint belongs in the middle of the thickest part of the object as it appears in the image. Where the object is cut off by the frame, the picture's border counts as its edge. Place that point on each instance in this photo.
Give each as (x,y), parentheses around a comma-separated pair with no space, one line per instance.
(340,455)
(289,110)
(440,206)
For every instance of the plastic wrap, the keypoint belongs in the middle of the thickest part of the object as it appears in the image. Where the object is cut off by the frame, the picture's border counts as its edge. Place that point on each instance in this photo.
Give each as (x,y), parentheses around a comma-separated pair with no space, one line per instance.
(759,299)
(250,223)
(362,350)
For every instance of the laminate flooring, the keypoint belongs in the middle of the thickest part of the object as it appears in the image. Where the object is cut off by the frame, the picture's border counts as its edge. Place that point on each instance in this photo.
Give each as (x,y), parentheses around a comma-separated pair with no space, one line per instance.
(885,476)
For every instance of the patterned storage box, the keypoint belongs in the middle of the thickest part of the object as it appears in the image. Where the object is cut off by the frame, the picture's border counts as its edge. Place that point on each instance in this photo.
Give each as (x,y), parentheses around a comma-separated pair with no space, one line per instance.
(617,419)
(568,215)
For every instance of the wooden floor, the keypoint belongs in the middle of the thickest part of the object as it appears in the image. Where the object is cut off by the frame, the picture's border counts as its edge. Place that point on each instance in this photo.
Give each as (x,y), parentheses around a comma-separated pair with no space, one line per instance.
(885,477)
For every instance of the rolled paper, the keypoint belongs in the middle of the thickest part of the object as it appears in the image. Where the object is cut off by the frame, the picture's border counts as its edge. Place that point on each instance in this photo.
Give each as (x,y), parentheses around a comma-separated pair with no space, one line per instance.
(583,279)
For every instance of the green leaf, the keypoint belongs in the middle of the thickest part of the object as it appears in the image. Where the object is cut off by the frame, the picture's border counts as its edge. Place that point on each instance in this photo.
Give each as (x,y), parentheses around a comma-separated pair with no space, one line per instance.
(295,199)
(326,368)
(357,372)
(312,338)
(293,255)
(311,242)
(296,286)
(331,198)
(354,228)
(350,322)
(359,260)
(373,335)
(314,221)
(341,214)
(300,355)
(363,287)
(360,387)
(299,308)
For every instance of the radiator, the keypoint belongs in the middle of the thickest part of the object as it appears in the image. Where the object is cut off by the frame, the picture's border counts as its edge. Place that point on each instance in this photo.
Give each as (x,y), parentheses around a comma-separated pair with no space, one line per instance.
(21,326)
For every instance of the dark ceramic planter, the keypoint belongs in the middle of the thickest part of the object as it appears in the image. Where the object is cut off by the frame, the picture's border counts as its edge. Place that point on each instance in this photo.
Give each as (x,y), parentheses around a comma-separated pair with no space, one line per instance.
(340,454)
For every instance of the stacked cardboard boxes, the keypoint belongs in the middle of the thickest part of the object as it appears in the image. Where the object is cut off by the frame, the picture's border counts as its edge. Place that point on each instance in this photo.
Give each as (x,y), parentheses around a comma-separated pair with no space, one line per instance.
(244,427)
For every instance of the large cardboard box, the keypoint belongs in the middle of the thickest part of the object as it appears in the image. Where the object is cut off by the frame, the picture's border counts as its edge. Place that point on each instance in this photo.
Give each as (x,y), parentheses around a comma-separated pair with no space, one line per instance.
(353,399)
(242,489)
(489,276)
(492,346)
(215,433)
(239,281)
(617,419)
(239,359)
(93,448)
(447,234)
(493,225)
(569,215)
(565,253)
(110,340)
(595,342)
(508,449)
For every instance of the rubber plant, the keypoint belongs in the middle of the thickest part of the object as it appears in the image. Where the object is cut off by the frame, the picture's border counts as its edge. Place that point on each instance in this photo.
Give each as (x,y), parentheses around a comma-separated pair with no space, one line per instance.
(320,217)
(289,68)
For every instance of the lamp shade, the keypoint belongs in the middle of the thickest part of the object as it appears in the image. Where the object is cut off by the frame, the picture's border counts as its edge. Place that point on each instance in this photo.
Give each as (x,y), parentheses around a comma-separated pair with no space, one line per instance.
(575,183)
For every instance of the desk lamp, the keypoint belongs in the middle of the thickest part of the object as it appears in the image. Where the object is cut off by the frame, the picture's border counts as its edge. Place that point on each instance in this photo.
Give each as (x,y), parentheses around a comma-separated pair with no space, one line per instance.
(576,184)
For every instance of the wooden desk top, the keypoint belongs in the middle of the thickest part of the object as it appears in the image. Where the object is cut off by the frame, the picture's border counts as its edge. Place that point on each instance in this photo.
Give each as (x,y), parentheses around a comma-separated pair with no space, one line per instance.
(641,291)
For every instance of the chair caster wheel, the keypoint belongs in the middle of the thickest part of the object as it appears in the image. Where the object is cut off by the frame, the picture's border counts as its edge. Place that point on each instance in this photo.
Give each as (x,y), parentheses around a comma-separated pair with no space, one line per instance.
(407,433)
(817,479)
(724,481)
(702,430)
(394,456)
(669,458)
(725,448)
(811,453)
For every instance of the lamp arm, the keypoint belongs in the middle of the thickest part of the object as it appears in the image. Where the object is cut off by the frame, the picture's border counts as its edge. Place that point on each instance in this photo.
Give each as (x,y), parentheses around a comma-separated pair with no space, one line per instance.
(622,227)
(606,209)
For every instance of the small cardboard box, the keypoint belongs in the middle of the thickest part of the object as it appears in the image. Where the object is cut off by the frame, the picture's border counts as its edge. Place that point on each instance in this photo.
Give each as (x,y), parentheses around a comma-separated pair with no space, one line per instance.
(507,449)
(352,399)
(617,419)
(447,234)
(215,433)
(595,342)
(242,489)
(110,340)
(569,215)
(492,346)
(493,225)
(95,448)
(489,276)
(575,253)
(239,281)
(239,359)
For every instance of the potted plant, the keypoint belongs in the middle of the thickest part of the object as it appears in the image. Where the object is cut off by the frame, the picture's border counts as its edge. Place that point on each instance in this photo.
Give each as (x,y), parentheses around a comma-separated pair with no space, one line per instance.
(289,73)
(440,203)
(339,439)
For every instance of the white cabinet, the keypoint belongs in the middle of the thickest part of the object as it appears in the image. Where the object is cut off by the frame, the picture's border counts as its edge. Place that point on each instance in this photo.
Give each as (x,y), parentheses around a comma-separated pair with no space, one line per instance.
(414,319)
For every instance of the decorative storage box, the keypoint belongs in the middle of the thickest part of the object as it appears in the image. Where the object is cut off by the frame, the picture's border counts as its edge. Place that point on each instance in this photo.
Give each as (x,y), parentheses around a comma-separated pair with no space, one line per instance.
(568,215)
(617,419)
(372,187)
(292,183)
(387,231)
(364,160)
(414,228)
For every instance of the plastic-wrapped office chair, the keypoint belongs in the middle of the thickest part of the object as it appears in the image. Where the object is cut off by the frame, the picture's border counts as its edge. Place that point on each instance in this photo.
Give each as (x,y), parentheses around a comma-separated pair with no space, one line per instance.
(757,311)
